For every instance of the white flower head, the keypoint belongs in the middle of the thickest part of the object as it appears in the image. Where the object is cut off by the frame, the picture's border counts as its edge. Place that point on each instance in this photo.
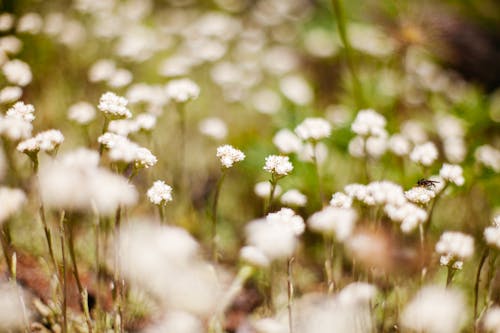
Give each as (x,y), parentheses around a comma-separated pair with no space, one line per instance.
(182,90)
(17,72)
(228,155)
(22,111)
(263,189)
(10,94)
(452,173)
(14,128)
(454,246)
(160,193)
(409,215)
(420,195)
(121,149)
(491,319)
(286,217)
(296,89)
(113,106)
(341,200)
(424,154)
(278,165)
(254,256)
(287,142)
(293,198)
(13,311)
(213,127)
(313,129)
(82,113)
(399,145)
(12,200)
(434,310)
(488,156)
(368,122)
(492,233)
(47,141)
(332,220)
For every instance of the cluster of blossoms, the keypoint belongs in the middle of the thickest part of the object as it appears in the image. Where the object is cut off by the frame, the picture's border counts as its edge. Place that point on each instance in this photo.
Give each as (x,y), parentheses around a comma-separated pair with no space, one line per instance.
(263,189)
(17,72)
(409,215)
(313,129)
(123,150)
(273,237)
(376,193)
(105,70)
(160,193)
(228,155)
(288,142)
(454,247)
(12,199)
(113,106)
(279,166)
(47,141)
(338,222)
(424,154)
(143,122)
(492,233)
(488,156)
(16,124)
(452,173)
(341,200)
(420,195)
(182,90)
(451,131)
(293,198)
(371,135)
(82,113)
(213,127)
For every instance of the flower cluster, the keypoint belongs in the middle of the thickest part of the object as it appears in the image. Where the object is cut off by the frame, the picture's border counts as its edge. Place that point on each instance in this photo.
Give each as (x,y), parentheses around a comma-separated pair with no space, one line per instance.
(424,154)
(228,155)
(452,173)
(182,90)
(313,129)
(160,193)
(123,150)
(492,233)
(47,141)
(16,124)
(114,106)
(12,199)
(334,221)
(454,247)
(371,136)
(278,165)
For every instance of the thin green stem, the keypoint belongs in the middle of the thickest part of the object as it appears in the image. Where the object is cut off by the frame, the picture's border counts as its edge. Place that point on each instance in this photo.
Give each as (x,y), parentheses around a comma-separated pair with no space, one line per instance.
(6,250)
(104,130)
(181,111)
(64,274)
(342,27)
(274,182)
(449,275)
(329,260)
(318,176)
(214,214)
(476,285)
(81,290)
(290,292)
(48,236)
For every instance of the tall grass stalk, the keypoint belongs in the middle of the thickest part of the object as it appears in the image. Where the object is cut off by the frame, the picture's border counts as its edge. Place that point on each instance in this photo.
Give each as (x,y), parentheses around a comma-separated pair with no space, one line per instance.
(214,214)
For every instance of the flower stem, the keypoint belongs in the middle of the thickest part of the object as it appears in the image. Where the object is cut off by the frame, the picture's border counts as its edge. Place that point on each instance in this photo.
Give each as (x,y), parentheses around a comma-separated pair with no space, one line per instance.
(449,276)
(476,285)
(329,259)
(81,290)
(290,293)
(318,177)
(64,277)
(181,111)
(273,182)
(214,215)
(104,130)
(341,26)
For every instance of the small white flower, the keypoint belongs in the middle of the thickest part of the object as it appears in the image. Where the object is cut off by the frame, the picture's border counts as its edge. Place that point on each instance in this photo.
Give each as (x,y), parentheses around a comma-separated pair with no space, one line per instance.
(182,90)
(293,198)
(113,106)
(491,319)
(278,165)
(341,200)
(424,154)
(82,113)
(14,128)
(452,173)
(160,193)
(122,149)
(263,189)
(399,145)
(10,94)
(287,142)
(275,240)
(13,311)
(409,215)
(213,127)
(228,155)
(254,256)
(296,89)
(12,199)
(455,246)
(376,146)
(287,218)
(145,122)
(313,129)
(17,72)
(102,70)
(22,111)
(368,122)
(488,156)
(420,195)
(492,233)
(333,220)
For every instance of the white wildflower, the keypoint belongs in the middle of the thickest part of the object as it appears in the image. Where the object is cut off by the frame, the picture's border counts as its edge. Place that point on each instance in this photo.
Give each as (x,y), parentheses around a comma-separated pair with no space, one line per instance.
(176,322)
(492,233)
(409,215)
(341,200)
(145,122)
(14,128)
(286,217)
(228,155)
(182,90)
(399,145)
(120,78)
(263,189)
(491,320)
(30,23)
(122,149)
(488,156)
(160,193)
(47,141)
(17,72)
(10,94)
(455,149)
(356,147)
(82,113)
(368,122)
(254,256)
(376,146)
(434,310)
(278,165)
(333,220)
(293,198)
(213,127)
(113,106)
(287,142)
(296,89)
(6,21)
(102,70)
(313,151)
(357,293)
(420,195)
(313,129)
(266,101)
(452,173)
(454,246)
(12,200)
(275,240)
(424,154)
(13,310)
(22,111)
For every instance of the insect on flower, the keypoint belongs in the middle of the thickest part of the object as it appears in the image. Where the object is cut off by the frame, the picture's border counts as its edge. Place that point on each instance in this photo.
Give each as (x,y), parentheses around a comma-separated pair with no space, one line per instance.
(427,183)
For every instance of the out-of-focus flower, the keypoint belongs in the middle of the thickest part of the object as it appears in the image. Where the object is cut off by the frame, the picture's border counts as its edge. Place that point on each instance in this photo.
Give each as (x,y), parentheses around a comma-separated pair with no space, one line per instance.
(12,200)
(176,322)
(102,70)
(266,101)
(452,173)
(296,89)
(124,150)
(488,156)
(313,129)
(82,113)
(17,72)
(319,43)
(491,319)
(409,215)
(14,128)
(287,218)
(22,111)
(30,23)
(228,155)
(341,200)
(293,198)
(399,145)
(368,122)
(492,233)
(287,142)
(160,193)
(47,141)
(334,221)
(434,310)
(263,189)
(13,311)
(213,127)
(113,106)
(182,90)
(454,247)
(254,256)
(424,154)
(10,94)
